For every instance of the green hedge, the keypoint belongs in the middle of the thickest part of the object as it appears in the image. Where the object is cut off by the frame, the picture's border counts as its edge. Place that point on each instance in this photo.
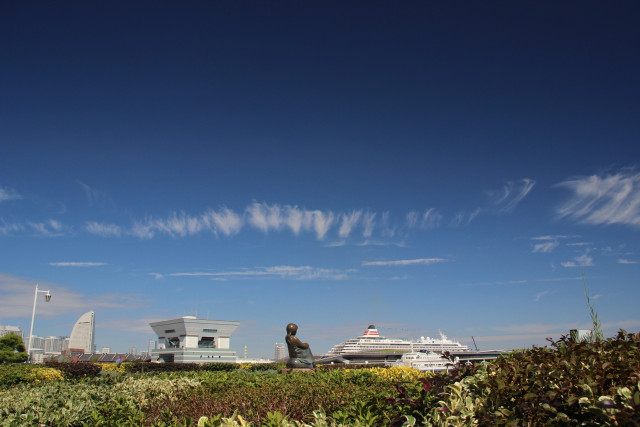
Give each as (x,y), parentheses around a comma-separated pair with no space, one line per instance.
(570,383)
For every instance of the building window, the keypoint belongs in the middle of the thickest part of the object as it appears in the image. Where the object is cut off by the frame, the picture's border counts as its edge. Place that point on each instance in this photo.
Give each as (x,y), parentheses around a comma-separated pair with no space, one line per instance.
(210,330)
(168,331)
(206,342)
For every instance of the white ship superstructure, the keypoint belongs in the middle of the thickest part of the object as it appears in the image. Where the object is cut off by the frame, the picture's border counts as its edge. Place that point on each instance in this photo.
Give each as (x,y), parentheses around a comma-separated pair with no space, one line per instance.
(372,341)
(425,361)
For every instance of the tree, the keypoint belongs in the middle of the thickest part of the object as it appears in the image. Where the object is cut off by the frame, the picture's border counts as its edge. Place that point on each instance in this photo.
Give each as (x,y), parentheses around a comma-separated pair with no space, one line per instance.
(12,349)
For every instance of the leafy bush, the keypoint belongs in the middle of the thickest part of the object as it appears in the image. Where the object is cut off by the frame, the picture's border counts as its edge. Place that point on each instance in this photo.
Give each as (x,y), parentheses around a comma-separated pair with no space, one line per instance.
(115,368)
(295,395)
(76,370)
(197,367)
(570,383)
(12,374)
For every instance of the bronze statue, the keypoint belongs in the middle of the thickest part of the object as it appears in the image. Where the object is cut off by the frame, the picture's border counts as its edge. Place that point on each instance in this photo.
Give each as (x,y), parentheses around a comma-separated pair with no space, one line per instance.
(300,356)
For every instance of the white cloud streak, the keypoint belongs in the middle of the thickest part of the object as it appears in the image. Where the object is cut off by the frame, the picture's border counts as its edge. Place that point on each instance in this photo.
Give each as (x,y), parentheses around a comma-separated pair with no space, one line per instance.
(225,221)
(411,219)
(48,228)
(610,199)
(368,223)
(545,247)
(540,295)
(507,198)
(91,194)
(77,264)
(267,217)
(322,222)
(402,262)
(557,237)
(8,228)
(626,261)
(348,222)
(581,261)
(282,272)
(8,194)
(462,219)
(103,230)
(431,219)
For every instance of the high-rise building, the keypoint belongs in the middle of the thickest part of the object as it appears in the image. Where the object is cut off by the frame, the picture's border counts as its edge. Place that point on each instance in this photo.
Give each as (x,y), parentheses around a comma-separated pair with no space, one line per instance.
(65,344)
(83,333)
(52,345)
(5,330)
(133,351)
(106,350)
(37,344)
(279,351)
(152,346)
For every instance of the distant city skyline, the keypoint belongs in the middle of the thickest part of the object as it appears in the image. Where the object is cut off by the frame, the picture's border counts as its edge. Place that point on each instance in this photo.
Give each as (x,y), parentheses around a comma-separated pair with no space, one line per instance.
(419,166)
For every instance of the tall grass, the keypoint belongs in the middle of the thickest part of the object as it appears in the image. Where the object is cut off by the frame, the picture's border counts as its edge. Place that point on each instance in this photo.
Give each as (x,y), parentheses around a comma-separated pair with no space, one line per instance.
(596,332)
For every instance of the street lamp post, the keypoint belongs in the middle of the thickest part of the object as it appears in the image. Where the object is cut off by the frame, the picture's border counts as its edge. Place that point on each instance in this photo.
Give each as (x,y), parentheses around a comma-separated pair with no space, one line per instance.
(47,298)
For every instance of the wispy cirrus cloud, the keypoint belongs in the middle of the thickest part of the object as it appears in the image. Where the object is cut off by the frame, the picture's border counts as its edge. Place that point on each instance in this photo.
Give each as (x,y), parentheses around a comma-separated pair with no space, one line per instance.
(550,242)
(77,264)
(48,228)
(267,217)
(507,198)
(281,272)
(581,261)
(368,222)
(420,261)
(545,247)
(349,221)
(598,200)
(95,197)
(223,221)
(376,227)
(7,228)
(626,261)
(104,230)
(540,295)
(462,219)
(431,219)
(8,194)
(556,237)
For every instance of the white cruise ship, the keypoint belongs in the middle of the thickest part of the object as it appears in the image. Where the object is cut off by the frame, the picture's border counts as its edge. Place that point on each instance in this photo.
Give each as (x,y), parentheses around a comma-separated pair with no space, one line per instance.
(371,341)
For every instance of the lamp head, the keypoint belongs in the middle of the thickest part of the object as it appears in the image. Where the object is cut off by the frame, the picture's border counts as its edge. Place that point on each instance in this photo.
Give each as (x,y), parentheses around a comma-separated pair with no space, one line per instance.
(47,297)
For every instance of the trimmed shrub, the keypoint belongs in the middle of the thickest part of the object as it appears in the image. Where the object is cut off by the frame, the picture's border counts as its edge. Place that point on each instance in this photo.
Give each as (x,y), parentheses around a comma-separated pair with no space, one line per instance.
(76,370)
(570,383)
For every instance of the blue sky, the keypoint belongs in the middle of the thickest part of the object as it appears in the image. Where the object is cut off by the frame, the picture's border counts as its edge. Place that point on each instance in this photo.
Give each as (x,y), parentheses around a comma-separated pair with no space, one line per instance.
(420,166)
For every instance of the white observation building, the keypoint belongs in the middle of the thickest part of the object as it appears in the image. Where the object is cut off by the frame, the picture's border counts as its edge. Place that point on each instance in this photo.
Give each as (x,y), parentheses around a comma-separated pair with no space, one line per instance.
(192,340)
(82,335)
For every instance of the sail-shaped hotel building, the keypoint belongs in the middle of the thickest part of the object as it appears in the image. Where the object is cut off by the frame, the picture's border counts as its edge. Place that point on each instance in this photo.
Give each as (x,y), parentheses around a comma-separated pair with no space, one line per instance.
(83,334)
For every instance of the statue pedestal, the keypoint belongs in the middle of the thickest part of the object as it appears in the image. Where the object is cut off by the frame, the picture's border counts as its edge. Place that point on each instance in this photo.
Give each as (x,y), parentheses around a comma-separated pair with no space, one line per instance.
(286,371)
